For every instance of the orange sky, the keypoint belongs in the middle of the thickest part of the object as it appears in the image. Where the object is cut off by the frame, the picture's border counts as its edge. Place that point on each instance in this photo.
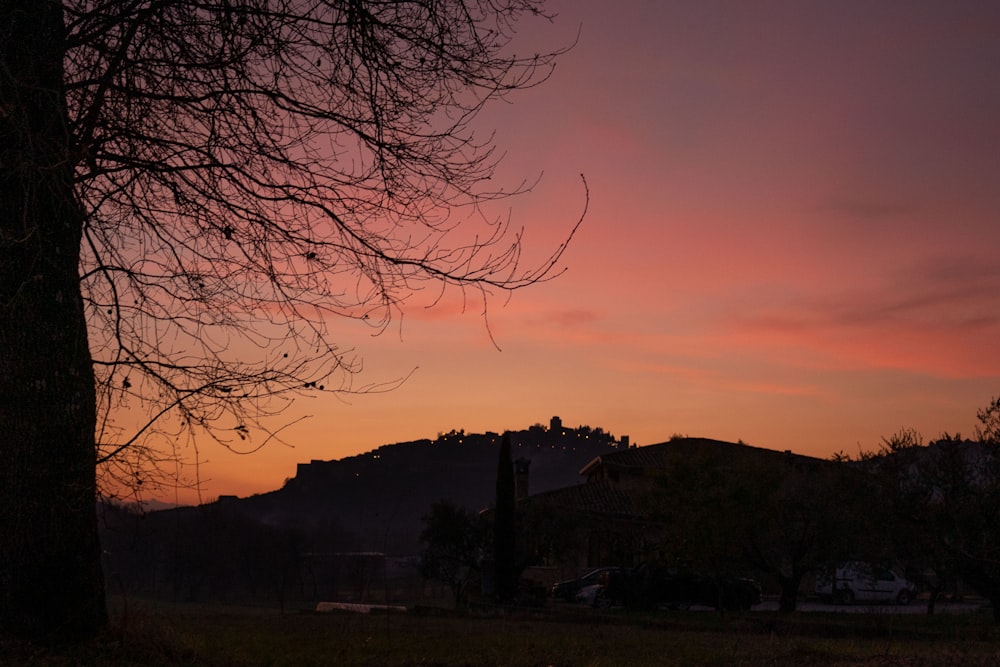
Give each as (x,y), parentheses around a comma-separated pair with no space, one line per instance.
(792,240)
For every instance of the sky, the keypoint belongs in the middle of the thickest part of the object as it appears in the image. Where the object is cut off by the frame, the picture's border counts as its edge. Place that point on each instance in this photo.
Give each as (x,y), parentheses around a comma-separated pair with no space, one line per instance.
(791,240)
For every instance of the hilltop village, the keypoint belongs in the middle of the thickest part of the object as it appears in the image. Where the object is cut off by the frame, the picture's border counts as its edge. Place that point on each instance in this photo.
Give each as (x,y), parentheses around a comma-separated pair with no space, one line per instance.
(553,450)
(583,499)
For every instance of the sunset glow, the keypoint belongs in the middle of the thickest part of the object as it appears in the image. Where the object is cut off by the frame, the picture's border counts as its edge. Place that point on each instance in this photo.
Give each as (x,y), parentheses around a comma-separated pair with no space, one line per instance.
(791,240)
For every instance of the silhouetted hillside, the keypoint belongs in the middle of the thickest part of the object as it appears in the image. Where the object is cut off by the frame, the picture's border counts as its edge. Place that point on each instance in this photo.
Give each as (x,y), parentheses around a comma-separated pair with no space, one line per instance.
(375,501)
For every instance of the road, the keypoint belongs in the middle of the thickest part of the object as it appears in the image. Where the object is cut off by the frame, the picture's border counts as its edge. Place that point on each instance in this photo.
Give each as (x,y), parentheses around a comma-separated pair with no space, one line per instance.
(918,606)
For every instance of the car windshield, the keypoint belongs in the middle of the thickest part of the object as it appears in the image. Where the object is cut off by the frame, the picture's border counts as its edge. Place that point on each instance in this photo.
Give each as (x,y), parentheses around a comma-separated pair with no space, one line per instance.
(595,575)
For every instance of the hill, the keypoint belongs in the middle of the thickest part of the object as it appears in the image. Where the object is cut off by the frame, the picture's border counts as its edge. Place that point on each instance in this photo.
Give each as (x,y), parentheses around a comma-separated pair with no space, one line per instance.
(375,501)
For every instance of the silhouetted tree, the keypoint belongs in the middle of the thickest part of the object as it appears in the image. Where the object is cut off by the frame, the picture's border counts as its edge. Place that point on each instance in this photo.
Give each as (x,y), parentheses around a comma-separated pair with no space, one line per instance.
(504,527)
(693,502)
(798,515)
(910,512)
(726,512)
(454,539)
(957,482)
(946,497)
(176,176)
(50,578)
(989,422)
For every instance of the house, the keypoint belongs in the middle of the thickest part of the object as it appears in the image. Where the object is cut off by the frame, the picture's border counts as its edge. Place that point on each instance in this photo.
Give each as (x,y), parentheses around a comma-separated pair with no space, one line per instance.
(606,520)
(638,468)
(590,524)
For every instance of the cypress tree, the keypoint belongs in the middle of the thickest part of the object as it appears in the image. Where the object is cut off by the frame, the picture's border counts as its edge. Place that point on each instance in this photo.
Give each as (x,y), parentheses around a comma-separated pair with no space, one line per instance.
(504,538)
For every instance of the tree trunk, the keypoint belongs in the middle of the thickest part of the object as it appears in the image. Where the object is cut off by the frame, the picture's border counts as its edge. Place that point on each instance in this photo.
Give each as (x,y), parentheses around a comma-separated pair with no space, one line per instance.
(981,577)
(932,600)
(51,587)
(789,599)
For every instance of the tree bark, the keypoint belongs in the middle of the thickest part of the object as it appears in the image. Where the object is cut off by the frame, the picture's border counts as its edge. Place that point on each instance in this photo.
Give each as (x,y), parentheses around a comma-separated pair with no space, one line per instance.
(51,586)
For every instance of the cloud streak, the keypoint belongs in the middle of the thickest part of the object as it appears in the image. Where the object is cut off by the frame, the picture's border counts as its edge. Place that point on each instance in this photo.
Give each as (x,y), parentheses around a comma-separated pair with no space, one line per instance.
(791,237)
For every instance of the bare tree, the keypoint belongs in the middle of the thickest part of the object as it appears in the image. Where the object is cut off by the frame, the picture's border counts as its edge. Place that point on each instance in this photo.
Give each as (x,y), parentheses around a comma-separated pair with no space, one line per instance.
(178,175)
(944,504)
(453,541)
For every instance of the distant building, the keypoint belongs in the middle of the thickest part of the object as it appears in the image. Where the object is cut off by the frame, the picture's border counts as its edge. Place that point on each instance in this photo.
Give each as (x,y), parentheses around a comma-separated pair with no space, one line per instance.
(602,521)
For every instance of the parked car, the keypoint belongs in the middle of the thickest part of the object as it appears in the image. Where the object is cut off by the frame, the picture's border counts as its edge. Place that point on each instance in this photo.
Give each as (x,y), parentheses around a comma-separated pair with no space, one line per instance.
(681,590)
(616,586)
(595,595)
(650,588)
(569,590)
(862,582)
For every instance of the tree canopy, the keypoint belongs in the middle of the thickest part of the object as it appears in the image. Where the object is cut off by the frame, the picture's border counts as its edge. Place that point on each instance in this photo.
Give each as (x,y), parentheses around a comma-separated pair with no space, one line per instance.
(942,502)
(178,175)
(256,169)
(454,540)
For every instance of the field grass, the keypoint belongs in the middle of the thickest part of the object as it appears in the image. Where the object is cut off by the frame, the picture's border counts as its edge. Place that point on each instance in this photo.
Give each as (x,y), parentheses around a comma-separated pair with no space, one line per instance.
(172,636)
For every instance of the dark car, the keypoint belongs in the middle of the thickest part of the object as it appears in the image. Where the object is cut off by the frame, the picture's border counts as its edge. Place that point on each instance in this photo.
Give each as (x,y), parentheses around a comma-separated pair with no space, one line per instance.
(680,590)
(648,587)
(568,590)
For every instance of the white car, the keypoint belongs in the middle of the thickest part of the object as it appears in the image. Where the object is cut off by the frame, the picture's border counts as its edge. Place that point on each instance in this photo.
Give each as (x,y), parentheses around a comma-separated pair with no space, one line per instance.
(861,582)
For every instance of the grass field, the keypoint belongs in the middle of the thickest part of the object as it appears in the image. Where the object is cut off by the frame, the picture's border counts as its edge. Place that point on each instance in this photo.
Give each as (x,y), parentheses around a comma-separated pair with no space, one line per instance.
(238,637)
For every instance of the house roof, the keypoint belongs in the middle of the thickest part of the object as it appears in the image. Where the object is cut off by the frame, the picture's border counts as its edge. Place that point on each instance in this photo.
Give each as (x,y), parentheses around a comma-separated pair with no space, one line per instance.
(657,457)
(594,497)
(607,498)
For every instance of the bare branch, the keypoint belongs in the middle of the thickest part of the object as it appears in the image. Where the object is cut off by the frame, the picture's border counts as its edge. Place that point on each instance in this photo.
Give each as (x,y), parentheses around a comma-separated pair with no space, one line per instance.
(252,170)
